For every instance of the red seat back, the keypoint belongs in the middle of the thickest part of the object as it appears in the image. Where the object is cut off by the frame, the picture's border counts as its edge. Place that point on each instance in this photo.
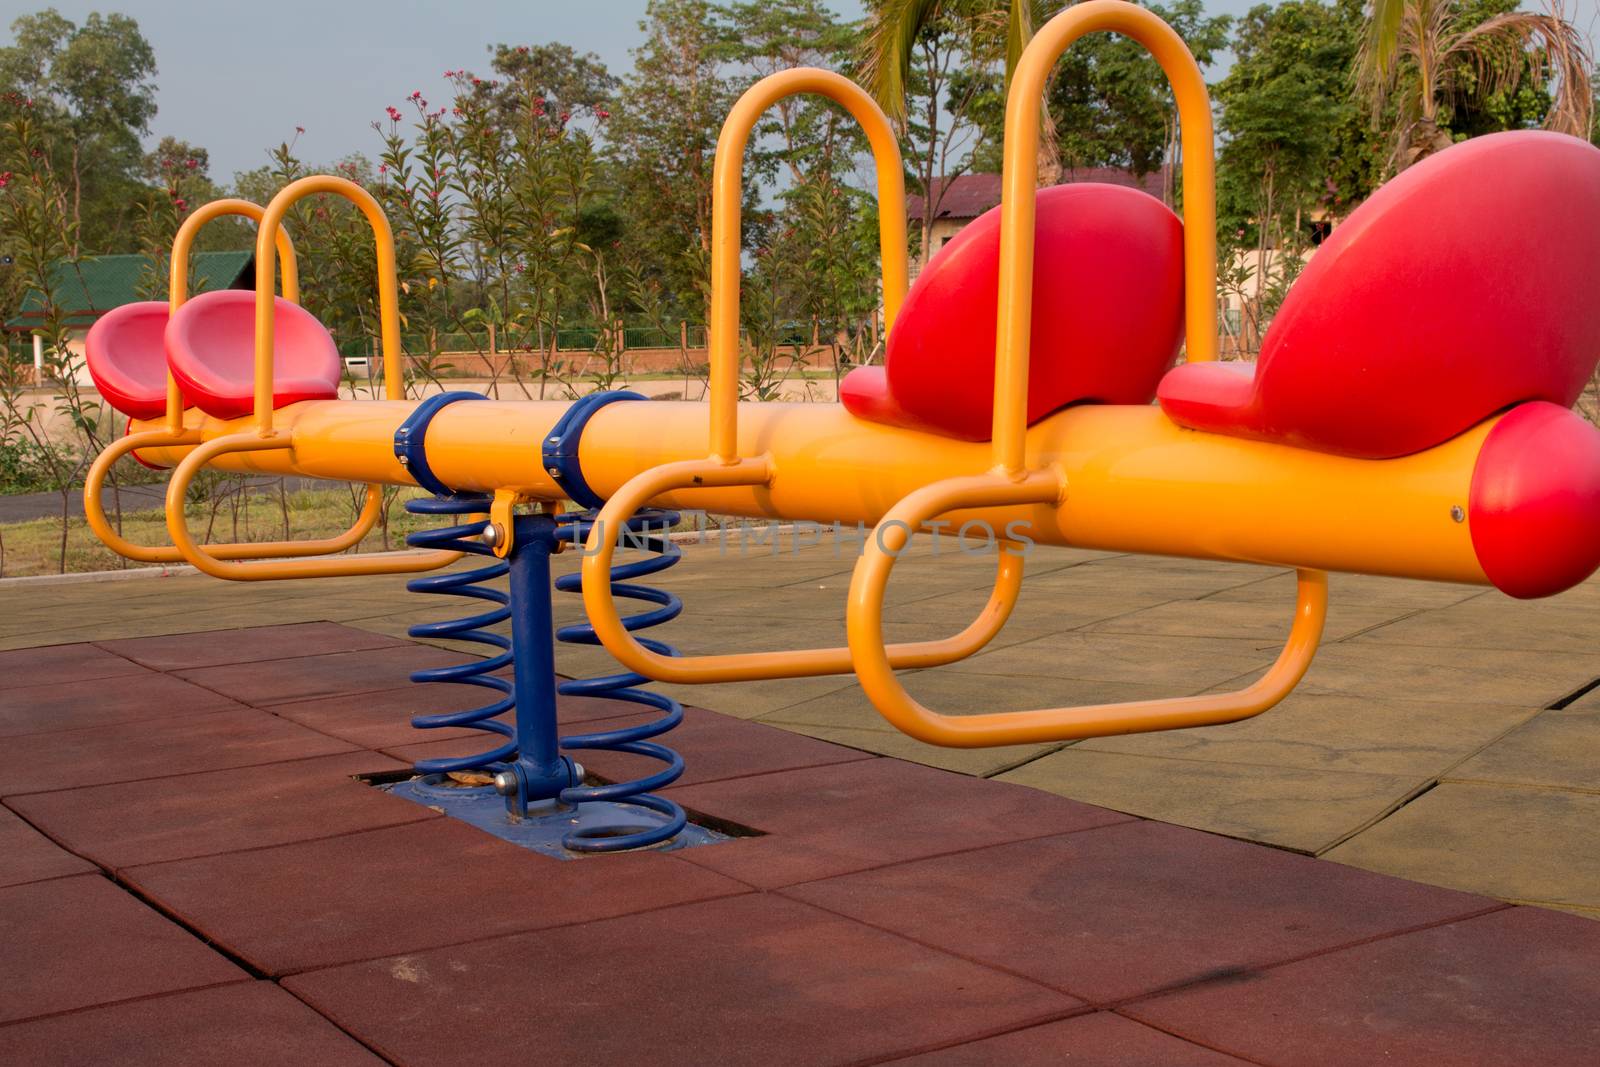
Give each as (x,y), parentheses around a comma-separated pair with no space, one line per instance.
(127,358)
(210,345)
(1107,316)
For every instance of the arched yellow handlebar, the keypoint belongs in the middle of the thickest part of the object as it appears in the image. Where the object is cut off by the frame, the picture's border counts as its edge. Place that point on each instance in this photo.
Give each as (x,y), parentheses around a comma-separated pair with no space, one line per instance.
(175,433)
(265,437)
(725,466)
(1009,481)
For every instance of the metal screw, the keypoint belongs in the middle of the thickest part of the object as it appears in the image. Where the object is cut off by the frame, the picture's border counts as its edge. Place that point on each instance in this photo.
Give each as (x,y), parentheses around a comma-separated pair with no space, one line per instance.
(555,440)
(1458,513)
(553,472)
(491,535)
(505,783)
(405,461)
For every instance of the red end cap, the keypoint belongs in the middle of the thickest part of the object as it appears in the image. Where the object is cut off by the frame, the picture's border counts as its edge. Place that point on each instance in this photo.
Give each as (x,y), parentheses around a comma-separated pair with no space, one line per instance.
(1535,504)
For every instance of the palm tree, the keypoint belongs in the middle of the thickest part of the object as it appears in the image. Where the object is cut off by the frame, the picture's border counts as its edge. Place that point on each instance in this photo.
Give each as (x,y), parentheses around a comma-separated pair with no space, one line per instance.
(1425,55)
(896,24)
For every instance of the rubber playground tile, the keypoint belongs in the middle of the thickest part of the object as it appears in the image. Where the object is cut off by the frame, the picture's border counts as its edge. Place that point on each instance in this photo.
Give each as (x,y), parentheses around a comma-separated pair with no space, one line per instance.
(82,704)
(26,855)
(128,752)
(1100,1039)
(1524,844)
(824,821)
(249,645)
(1518,986)
(76,942)
(247,1024)
(1291,807)
(383,719)
(221,811)
(284,680)
(715,747)
(404,889)
(1124,910)
(749,980)
(53,663)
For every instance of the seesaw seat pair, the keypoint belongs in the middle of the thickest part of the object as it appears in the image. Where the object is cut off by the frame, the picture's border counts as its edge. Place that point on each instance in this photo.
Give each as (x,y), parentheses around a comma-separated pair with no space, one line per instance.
(1462,287)
(209,346)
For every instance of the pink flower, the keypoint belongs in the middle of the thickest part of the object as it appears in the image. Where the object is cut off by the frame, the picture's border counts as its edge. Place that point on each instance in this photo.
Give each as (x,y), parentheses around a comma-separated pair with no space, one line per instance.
(299,129)
(394,114)
(180,203)
(565,115)
(449,74)
(191,163)
(416,95)
(601,113)
(5,179)
(383,168)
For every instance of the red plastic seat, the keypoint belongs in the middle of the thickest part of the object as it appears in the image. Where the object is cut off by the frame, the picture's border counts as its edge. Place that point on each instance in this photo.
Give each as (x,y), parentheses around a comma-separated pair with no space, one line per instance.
(210,346)
(1460,288)
(127,358)
(1107,316)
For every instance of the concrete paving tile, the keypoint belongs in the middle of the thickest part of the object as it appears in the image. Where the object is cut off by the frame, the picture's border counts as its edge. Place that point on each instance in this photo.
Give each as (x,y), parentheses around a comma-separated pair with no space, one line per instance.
(1495,622)
(1120,911)
(774,981)
(251,645)
(79,662)
(1338,733)
(1290,807)
(1181,664)
(824,821)
(959,693)
(1510,842)
(1384,671)
(974,761)
(248,1024)
(26,855)
(1401,593)
(1559,749)
(1099,1039)
(1514,987)
(714,747)
(100,702)
(73,942)
(220,811)
(207,741)
(284,680)
(404,889)
(1255,620)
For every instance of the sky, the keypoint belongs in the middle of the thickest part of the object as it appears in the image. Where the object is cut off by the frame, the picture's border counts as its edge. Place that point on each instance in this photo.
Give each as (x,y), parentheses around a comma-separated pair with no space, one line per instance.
(238,77)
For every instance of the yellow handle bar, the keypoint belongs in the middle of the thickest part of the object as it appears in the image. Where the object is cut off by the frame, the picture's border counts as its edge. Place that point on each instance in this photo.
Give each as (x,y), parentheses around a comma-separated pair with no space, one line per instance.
(1009,482)
(725,467)
(265,438)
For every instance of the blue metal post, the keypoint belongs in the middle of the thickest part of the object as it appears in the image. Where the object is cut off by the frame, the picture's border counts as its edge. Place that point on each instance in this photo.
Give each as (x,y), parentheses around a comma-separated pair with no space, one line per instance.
(542,771)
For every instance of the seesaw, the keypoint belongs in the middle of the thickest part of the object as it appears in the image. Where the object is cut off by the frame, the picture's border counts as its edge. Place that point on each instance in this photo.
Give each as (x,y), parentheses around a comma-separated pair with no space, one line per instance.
(1409,416)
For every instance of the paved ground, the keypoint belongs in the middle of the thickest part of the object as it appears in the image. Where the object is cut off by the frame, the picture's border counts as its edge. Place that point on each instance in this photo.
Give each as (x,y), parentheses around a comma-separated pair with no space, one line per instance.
(1437,736)
(190,874)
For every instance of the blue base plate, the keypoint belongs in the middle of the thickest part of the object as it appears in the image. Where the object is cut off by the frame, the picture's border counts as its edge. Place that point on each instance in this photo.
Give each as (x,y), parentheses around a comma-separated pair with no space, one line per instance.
(482,807)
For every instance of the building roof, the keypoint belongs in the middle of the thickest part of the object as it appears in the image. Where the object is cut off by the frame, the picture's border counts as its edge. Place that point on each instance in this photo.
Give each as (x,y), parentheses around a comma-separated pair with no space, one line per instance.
(970,195)
(91,287)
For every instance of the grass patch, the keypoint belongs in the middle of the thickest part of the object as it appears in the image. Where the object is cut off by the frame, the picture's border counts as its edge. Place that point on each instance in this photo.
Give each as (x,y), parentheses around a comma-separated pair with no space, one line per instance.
(257,515)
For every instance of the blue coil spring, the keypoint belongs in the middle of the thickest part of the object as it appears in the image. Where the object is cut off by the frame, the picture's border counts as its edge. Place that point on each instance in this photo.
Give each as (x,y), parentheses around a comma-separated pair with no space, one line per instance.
(465,537)
(647,530)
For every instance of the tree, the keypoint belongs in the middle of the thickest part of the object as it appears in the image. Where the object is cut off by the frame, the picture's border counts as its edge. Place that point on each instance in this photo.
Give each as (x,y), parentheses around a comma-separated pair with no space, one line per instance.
(92,92)
(1434,58)
(663,138)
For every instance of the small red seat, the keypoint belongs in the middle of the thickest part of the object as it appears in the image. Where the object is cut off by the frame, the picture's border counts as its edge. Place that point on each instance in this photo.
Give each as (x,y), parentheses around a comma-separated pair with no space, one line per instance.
(1460,288)
(210,346)
(127,358)
(1107,316)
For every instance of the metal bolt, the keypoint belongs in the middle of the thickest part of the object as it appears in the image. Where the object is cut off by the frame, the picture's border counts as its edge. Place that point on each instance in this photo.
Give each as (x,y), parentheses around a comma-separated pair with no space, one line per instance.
(553,472)
(505,783)
(405,461)
(491,535)
(555,440)
(1458,513)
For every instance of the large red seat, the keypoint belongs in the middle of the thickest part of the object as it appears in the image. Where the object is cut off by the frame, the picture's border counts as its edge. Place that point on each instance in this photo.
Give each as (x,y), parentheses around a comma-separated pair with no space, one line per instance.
(1460,288)
(1107,316)
(210,346)
(127,358)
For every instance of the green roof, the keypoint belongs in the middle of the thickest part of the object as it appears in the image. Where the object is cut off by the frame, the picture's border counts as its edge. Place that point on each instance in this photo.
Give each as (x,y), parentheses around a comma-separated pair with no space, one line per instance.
(91,287)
